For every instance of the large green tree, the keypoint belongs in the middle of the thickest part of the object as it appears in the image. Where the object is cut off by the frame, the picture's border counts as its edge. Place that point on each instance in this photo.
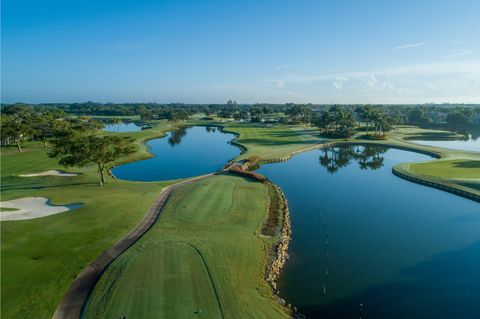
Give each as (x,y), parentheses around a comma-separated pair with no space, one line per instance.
(337,121)
(458,117)
(46,125)
(16,128)
(80,150)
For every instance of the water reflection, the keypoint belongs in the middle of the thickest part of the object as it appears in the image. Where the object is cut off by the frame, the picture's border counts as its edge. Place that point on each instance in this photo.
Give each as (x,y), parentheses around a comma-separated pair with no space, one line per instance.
(470,142)
(363,236)
(180,155)
(334,158)
(177,136)
(121,127)
(210,129)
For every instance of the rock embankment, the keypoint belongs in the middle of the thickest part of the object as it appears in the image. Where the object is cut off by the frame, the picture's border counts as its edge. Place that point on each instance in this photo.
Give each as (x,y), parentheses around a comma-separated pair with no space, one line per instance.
(281,247)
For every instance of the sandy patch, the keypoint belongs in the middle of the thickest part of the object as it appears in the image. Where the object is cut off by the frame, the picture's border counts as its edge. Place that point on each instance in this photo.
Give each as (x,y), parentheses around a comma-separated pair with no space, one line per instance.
(31,207)
(52,172)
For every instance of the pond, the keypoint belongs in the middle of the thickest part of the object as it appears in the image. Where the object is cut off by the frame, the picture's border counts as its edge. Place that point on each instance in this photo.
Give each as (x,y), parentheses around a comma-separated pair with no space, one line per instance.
(185,152)
(470,143)
(123,127)
(369,244)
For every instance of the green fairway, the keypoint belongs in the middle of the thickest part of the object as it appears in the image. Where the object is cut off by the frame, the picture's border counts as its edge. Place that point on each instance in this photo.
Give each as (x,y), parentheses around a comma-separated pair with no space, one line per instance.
(158,278)
(212,226)
(273,141)
(41,257)
(32,159)
(449,168)
(416,133)
(203,258)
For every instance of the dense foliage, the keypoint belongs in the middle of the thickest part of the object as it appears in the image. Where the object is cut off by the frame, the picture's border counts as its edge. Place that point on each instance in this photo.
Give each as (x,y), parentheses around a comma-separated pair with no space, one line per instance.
(81,150)
(43,122)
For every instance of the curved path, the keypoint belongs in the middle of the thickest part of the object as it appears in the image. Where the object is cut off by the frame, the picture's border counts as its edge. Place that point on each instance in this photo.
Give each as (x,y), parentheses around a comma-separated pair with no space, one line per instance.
(72,304)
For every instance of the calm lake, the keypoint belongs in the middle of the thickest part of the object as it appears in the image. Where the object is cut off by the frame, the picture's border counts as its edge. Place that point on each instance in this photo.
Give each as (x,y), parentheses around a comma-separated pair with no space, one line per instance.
(468,144)
(369,244)
(182,153)
(122,127)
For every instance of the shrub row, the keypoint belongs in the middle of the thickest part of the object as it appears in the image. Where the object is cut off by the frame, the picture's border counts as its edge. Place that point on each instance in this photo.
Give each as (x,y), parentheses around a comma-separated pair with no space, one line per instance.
(238,171)
(271,225)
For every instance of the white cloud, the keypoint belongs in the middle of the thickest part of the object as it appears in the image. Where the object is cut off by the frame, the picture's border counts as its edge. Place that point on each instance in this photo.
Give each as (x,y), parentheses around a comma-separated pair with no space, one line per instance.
(337,85)
(388,85)
(410,45)
(371,81)
(338,82)
(413,83)
(465,68)
(458,53)
(277,83)
(283,67)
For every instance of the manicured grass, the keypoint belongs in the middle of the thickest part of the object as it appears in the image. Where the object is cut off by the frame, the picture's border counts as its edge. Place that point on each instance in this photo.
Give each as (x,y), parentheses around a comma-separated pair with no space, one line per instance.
(460,168)
(203,258)
(41,257)
(270,142)
(416,133)
(213,224)
(449,168)
(33,159)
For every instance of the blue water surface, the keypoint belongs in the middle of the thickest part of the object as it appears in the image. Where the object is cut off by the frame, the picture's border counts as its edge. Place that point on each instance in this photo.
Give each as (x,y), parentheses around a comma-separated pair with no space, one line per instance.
(123,127)
(369,244)
(182,153)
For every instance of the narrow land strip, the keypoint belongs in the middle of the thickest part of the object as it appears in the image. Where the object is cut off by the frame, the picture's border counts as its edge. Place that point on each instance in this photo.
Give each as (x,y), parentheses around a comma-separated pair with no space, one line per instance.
(74,300)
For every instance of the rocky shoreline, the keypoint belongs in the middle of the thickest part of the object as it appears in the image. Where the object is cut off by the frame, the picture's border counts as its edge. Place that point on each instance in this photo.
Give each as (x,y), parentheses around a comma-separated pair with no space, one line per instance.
(281,247)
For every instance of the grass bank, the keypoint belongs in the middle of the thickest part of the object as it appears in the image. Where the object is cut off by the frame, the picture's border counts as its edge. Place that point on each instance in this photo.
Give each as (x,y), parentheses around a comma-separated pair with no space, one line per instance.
(268,141)
(41,257)
(204,256)
(449,168)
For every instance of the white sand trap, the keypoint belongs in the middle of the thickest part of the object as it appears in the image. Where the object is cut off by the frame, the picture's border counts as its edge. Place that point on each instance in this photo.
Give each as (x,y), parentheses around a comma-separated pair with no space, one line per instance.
(31,207)
(52,172)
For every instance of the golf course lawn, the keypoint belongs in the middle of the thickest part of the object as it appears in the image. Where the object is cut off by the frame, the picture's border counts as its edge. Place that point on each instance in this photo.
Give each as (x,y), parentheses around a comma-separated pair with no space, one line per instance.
(416,133)
(41,257)
(204,258)
(271,142)
(460,168)
(209,231)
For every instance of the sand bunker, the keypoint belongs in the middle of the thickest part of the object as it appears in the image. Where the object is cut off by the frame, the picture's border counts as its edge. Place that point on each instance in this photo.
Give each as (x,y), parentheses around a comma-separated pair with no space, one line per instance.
(31,207)
(52,172)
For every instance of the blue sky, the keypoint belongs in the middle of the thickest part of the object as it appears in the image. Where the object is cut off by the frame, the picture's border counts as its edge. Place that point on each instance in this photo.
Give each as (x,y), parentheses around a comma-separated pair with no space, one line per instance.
(251,51)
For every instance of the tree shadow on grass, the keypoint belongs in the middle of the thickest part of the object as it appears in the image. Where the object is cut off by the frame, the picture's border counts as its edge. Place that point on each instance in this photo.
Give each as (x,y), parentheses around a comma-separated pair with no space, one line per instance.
(472,185)
(38,186)
(467,164)
(267,142)
(447,286)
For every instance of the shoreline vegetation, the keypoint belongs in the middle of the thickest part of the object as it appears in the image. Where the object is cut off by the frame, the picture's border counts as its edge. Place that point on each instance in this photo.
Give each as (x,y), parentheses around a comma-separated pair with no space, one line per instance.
(238,287)
(399,140)
(75,299)
(287,141)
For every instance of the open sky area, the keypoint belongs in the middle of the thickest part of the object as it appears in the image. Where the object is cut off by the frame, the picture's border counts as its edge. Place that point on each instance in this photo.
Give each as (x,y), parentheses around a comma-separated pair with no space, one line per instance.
(251,51)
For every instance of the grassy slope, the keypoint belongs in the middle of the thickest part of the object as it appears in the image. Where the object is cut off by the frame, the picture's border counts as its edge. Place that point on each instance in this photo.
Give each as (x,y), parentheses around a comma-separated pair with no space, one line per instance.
(270,142)
(205,244)
(449,168)
(32,249)
(40,257)
(280,141)
(274,142)
(455,167)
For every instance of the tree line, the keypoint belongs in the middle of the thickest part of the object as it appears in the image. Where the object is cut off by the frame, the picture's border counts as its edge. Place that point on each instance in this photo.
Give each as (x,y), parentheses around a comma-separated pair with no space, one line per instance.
(422,114)
(74,140)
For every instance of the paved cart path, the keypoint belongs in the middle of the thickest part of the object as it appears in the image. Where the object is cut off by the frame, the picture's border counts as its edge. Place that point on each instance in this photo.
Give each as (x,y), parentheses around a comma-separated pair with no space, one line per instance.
(76,297)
